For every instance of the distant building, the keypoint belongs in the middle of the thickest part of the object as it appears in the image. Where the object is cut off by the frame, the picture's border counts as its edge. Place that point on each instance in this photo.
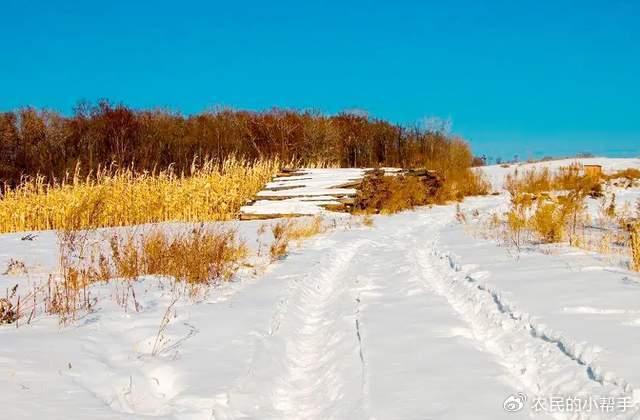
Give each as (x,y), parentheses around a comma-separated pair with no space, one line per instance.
(594,171)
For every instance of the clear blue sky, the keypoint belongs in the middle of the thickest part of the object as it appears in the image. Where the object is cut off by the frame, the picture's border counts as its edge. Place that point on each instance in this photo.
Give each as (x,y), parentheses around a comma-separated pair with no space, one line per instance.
(527,77)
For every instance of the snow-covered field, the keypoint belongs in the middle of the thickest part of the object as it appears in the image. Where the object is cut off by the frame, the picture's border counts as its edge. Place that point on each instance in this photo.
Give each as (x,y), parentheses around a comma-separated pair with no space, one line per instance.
(416,317)
(497,173)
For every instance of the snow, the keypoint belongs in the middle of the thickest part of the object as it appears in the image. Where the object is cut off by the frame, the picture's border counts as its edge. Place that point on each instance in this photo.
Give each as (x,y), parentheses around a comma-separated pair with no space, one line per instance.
(570,297)
(345,327)
(496,173)
(306,193)
(416,317)
(314,182)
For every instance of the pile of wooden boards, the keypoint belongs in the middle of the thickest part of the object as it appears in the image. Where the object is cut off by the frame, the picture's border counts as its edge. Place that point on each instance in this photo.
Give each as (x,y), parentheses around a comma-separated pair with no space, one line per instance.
(305,192)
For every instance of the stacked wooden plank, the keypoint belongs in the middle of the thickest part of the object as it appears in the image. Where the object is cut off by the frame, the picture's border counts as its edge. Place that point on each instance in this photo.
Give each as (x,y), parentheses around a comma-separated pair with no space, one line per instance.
(306,192)
(303,192)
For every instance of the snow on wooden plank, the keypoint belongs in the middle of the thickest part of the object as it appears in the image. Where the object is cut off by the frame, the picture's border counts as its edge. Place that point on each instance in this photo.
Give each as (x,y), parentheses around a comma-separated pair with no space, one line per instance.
(304,192)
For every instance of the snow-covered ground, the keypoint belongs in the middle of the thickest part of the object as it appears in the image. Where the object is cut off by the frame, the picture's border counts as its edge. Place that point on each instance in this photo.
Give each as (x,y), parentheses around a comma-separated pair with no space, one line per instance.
(497,173)
(414,318)
(625,198)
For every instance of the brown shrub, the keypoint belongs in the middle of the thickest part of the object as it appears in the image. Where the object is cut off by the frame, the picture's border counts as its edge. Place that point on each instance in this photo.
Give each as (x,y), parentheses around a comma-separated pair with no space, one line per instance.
(517,218)
(67,291)
(548,222)
(8,314)
(380,193)
(453,164)
(550,218)
(574,178)
(629,173)
(280,245)
(462,184)
(289,230)
(201,255)
(536,181)
(69,295)
(635,247)
(530,181)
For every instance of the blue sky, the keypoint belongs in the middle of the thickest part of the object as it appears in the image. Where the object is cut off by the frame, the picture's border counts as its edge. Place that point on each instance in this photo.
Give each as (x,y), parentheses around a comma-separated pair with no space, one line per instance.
(516,77)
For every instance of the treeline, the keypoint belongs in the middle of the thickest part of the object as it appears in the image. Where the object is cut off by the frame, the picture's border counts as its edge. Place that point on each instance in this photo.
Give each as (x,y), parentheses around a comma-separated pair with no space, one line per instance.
(50,144)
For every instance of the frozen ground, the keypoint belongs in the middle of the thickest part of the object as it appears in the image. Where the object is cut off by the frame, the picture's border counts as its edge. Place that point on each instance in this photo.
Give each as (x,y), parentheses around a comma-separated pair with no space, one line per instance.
(414,318)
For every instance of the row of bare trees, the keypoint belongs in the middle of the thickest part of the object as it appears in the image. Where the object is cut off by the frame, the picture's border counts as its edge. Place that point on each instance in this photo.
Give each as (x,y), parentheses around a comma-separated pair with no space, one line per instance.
(48,143)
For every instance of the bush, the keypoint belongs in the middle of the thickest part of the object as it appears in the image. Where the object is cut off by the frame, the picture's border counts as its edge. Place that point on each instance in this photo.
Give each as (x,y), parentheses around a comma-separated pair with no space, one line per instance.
(8,314)
(548,222)
(386,194)
(629,173)
(463,184)
(635,247)
(530,181)
(536,181)
(453,165)
(202,255)
(289,230)
(550,218)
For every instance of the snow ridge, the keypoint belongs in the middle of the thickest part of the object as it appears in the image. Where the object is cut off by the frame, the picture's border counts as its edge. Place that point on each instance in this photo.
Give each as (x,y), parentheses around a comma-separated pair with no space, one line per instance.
(311,360)
(544,361)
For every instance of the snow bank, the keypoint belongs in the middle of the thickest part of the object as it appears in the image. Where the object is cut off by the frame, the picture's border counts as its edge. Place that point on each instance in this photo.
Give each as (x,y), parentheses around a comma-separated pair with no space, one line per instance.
(497,173)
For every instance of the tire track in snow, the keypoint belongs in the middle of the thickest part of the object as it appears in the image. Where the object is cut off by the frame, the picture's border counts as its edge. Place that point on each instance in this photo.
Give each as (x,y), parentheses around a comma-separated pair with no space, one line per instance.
(419,363)
(309,364)
(542,361)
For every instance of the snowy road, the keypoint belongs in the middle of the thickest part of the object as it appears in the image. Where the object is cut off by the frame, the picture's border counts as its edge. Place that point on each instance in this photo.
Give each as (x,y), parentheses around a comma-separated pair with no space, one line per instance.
(361,333)
(378,323)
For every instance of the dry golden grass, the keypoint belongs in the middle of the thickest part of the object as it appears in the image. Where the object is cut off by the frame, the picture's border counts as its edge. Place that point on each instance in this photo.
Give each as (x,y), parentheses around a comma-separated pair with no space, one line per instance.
(629,173)
(201,255)
(635,246)
(550,217)
(453,164)
(537,181)
(463,184)
(530,181)
(548,206)
(290,230)
(123,197)
(548,222)
(67,292)
(367,220)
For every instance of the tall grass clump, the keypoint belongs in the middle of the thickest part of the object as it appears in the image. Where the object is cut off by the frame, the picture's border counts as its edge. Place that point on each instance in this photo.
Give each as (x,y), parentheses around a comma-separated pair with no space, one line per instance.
(118,197)
(200,256)
(537,181)
(290,230)
(635,246)
(549,206)
(453,160)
